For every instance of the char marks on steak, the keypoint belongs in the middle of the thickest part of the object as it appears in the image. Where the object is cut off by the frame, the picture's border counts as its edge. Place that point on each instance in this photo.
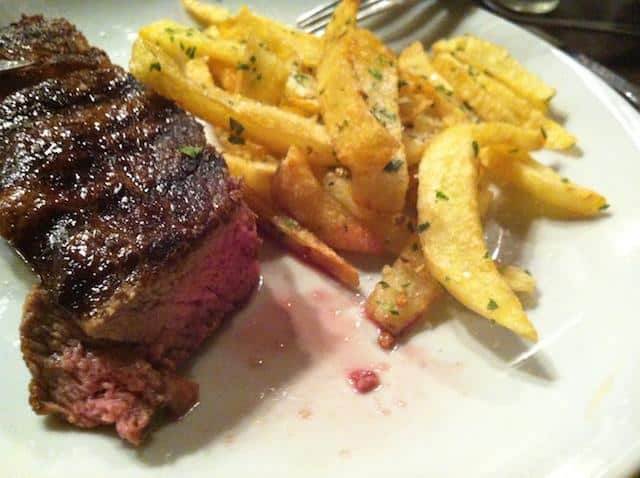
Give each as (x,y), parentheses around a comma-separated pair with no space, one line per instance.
(141,249)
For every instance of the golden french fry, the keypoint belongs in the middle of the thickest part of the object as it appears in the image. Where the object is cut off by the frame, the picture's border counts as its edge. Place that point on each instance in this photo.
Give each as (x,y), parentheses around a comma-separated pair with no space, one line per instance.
(543,183)
(206,13)
(344,18)
(451,233)
(257,176)
(367,132)
(496,61)
(262,75)
(197,70)
(265,124)
(417,136)
(518,279)
(301,93)
(285,42)
(185,43)
(297,191)
(394,229)
(405,291)
(307,245)
(416,69)
(493,101)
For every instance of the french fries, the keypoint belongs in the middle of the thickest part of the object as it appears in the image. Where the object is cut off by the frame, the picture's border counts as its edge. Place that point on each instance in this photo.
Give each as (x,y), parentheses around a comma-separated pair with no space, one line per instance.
(450,228)
(297,191)
(496,61)
(186,43)
(304,243)
(405,291)
(287,43)
(265,124)
(543,183)
(520,280)
(366,133)
(342,145)
(416,69)
(206,13)
(493,101)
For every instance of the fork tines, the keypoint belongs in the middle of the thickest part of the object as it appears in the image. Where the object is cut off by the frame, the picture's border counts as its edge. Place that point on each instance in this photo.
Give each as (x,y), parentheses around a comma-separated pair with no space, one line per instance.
(317,18)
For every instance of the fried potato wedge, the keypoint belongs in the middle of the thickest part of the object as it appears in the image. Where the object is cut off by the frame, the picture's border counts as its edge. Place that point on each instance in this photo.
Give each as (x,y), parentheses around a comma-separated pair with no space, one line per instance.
(405,291)
(416,69)
(307,245)
(343,19)
(451,233)
(197,70)
(492,101)
(297,191)
(543,183)
(519,280)
(184,43)
(257,176)
(205,13)
(262,75)
(265,124)
(287,43)
(301,93)
(394,229)
(357,81)
(496,61)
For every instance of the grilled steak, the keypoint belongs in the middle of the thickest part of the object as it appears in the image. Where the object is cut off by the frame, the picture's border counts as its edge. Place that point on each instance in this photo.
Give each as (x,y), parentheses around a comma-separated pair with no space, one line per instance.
(140,238)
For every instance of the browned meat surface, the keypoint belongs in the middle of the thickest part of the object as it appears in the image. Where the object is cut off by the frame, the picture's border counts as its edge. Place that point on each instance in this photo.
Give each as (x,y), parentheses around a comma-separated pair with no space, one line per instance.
(132,223)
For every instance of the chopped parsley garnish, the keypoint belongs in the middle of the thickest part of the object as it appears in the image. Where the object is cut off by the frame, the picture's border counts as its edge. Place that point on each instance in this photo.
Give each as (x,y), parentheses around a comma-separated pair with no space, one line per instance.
(384,285)
(375,73)
(252,59)
(604,206)
(402,83)
(383,115)
(476,148)
(343,125)
(405,285)
(290,222)
(443,90)
(486,255)
(492,304)
(441,195)
(467,107)
(300,78)
(423,227)
(236,131)
(243,66)
(544,132)
(190,52)
(565,180)
(155,66)
(191,151)
(527,271)
(393,166)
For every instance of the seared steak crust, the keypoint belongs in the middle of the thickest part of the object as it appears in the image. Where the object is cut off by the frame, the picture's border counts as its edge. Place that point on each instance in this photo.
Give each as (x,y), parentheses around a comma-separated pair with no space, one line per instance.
(90,161)
(139,236)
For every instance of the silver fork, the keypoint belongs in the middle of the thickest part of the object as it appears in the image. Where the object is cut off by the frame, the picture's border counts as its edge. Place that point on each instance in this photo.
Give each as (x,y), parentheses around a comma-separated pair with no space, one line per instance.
(317,18)
(10,65)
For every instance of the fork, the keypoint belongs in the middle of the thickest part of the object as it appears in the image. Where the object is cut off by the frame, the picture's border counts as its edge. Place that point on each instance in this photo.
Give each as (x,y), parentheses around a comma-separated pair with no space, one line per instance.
(10,65)
(317,18)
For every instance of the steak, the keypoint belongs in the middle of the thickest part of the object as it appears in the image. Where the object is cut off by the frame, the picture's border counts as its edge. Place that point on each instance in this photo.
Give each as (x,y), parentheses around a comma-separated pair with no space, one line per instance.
(139,236)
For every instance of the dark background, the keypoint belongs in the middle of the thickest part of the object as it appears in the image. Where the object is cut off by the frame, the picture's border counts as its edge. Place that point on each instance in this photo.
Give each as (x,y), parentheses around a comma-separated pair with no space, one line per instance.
(620,53)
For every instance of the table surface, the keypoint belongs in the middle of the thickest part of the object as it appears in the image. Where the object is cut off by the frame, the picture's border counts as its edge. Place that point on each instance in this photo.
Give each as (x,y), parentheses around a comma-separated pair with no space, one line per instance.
(620,53)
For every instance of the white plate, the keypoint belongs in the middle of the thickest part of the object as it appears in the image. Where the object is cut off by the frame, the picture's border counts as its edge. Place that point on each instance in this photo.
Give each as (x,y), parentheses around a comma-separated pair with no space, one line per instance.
(458,399)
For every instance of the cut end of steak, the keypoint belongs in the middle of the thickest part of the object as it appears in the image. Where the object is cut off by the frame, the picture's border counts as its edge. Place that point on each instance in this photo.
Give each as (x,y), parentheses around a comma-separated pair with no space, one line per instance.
(140,238)
(91,383)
